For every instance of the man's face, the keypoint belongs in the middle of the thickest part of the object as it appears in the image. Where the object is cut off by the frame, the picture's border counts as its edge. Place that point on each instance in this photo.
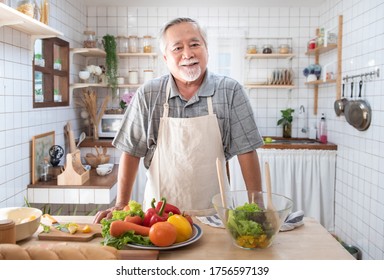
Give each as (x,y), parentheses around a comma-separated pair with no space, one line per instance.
(185,54)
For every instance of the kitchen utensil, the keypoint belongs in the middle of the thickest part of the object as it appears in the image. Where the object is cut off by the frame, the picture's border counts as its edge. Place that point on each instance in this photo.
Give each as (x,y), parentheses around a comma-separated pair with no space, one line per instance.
(81,138)
(54,223)
(340,103)
(270,213)
(349,104)
(359,113)
(220,176)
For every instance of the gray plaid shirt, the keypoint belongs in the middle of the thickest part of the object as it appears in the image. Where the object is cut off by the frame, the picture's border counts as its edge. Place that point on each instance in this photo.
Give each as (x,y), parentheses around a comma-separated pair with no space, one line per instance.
(140,125)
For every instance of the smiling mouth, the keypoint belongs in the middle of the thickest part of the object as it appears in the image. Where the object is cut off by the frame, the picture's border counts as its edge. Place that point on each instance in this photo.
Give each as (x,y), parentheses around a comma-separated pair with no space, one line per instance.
(190,64)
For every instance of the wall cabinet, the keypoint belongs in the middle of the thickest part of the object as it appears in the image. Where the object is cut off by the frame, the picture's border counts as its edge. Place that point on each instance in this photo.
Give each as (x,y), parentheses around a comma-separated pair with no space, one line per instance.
(317,52)
(270,72)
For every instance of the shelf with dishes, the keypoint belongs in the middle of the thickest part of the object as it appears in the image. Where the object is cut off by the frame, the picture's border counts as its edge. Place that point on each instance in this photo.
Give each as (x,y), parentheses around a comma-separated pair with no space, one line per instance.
(269,75)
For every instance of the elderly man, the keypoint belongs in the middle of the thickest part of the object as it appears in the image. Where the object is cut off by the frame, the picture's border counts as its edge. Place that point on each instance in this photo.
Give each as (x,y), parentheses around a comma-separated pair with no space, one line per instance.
(181,123)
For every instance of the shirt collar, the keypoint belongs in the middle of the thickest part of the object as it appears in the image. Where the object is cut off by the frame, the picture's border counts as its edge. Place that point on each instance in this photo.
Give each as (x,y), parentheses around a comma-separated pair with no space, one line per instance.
(206,89)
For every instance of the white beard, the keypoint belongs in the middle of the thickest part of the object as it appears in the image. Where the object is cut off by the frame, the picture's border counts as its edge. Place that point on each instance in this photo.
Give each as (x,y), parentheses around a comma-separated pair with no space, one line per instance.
(191,73)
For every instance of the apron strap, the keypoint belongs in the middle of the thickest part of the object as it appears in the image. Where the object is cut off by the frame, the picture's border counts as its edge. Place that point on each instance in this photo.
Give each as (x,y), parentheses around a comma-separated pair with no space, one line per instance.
(210,107)
(166,105)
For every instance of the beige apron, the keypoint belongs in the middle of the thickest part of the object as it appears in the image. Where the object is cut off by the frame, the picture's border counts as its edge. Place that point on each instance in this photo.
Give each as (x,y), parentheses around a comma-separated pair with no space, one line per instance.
(183,167)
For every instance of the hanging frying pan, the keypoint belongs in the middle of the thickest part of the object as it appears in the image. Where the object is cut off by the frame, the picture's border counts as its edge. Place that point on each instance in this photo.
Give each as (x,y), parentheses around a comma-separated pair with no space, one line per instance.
(360,113)
(349,104)
(339,104)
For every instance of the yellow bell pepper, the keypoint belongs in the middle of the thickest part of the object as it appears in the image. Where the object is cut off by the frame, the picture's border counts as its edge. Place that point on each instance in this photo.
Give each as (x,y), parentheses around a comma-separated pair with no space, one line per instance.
(183,227)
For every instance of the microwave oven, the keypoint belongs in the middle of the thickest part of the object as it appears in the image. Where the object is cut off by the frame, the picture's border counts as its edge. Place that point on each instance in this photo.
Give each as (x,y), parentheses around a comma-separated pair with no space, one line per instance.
(109,125)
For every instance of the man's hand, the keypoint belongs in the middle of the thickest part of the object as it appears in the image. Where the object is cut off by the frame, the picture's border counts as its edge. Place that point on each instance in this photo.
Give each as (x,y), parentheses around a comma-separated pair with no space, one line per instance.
(106,213)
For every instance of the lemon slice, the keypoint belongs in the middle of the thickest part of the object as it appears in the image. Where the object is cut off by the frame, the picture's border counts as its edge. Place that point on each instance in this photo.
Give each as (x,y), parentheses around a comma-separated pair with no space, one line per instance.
(72,228)
(86,229)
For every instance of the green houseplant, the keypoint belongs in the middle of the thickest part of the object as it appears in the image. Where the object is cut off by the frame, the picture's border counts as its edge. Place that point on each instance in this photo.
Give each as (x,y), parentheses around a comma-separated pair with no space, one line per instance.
(111,61)
(286,122)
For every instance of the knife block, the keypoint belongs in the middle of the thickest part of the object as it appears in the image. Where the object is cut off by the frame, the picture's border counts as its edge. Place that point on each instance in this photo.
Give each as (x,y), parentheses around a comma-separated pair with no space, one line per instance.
(74,173)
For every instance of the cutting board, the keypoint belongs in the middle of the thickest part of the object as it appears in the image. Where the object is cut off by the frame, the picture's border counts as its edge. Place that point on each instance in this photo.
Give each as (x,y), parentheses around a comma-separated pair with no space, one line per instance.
(79,236)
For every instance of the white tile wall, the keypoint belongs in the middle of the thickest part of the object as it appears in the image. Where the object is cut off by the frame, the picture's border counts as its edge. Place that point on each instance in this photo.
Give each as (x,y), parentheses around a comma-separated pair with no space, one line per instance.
(359,196)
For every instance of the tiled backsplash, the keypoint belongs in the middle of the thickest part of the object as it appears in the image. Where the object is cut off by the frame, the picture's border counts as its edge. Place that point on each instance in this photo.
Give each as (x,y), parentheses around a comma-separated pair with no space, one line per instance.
(359,196)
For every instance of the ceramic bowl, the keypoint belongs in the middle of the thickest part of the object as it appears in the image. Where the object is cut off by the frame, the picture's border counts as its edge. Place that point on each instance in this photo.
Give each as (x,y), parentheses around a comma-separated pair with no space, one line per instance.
(252,229)
(84,75)
(311,78)
(27,220)
(102,171)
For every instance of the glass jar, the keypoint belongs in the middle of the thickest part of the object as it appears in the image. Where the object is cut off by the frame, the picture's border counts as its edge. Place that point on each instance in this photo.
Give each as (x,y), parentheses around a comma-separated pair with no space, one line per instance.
(251,49)
(89,39)
(122,44)
(26,7)
(133,77)
(284,49)
(148,75)
(147,44)
(133,43)
(267,48)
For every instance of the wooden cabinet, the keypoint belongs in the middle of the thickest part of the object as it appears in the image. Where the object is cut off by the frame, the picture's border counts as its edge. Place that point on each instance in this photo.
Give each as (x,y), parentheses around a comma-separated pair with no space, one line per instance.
(270,75)
(317,52)
(51,78)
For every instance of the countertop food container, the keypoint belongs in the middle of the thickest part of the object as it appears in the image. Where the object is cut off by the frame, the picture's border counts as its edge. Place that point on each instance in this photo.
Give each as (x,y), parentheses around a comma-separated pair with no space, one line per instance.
(26,7)
(7,231)
(147,44)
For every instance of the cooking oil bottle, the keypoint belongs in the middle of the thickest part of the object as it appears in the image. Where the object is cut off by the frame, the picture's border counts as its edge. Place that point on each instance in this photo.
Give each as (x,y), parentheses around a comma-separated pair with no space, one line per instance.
(323,130)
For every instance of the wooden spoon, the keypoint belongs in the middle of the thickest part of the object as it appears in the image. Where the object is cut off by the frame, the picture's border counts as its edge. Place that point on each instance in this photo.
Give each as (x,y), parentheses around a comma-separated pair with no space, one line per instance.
(270,213)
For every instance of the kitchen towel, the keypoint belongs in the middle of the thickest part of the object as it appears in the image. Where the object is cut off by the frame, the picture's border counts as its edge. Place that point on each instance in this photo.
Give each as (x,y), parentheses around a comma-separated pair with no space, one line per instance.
(293,221)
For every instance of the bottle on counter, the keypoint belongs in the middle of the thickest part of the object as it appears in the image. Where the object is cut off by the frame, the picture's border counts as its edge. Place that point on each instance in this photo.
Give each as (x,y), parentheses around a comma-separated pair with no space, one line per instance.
(323,130)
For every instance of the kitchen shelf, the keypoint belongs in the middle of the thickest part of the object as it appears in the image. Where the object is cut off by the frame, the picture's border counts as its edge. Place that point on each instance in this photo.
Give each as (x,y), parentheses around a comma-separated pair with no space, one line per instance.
(85,85)
(19,21)
(252,86)
(320,82)
(89,52)
(324,49)
(137,55)
(269,56)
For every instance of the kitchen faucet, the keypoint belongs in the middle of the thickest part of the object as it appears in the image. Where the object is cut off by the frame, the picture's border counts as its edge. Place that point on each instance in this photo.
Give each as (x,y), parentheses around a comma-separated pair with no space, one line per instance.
(304,129)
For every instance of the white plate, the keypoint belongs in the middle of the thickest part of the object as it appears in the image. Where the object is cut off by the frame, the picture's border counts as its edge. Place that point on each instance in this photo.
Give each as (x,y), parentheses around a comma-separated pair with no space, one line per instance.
(196,234)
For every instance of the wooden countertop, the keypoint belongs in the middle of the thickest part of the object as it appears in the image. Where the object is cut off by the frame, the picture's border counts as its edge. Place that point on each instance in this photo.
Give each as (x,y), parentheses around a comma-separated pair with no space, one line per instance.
(308,242)
(297,143)
(95,181)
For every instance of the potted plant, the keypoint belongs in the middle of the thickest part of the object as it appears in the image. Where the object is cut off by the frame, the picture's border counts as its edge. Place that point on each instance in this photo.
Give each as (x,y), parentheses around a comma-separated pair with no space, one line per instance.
(57,64)
(286,122)
(111,62)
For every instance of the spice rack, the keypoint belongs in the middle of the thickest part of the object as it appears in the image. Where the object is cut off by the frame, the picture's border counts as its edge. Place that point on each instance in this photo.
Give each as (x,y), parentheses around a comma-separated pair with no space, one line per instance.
(322,50)
(249,57)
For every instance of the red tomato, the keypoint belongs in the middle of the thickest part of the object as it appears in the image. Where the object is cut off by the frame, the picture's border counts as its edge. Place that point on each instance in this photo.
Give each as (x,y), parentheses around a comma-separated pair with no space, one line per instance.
(162,234)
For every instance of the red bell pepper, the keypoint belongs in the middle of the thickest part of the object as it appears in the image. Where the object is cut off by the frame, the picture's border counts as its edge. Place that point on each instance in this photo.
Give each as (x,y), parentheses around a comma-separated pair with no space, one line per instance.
(149,213)
(168,207)
(152,216)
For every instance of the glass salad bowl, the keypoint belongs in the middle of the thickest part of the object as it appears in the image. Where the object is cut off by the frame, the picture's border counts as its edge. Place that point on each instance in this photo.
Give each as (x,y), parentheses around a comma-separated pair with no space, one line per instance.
(246,219)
